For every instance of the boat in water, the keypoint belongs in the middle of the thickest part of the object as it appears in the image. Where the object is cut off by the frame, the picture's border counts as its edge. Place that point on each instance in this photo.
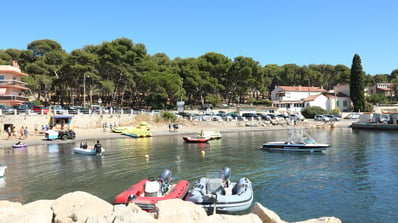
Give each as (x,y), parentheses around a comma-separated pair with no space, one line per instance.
(148,192)
(297,141)
(88,151)
(217,194)
(196,139)
(210,134)
(19,145)
(2,170)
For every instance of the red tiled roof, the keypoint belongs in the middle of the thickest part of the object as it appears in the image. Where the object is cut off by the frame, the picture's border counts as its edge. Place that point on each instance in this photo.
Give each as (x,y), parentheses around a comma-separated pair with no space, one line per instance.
(302,88)
(311,98)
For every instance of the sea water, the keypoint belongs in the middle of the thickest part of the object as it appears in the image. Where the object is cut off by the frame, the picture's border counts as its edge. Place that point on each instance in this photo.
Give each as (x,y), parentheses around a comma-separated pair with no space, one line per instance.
(356,179)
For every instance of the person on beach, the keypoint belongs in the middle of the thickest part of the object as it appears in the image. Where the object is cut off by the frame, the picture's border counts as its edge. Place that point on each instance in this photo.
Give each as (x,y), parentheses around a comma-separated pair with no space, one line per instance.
(98,147)
(21,132)
(25,132)
(9,132)
(36,129)
(169,127)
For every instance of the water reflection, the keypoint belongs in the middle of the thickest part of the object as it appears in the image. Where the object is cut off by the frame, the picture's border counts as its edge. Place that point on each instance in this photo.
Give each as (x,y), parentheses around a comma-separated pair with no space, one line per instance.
(355,180)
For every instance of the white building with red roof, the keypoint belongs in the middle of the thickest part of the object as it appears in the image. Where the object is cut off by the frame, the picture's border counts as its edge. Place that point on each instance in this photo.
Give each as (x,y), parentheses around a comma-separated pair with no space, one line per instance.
(292,99)
(11,86)
(386,89)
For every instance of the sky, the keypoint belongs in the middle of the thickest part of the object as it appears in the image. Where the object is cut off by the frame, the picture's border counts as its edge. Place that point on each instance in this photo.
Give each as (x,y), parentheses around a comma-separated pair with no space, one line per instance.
(301,32)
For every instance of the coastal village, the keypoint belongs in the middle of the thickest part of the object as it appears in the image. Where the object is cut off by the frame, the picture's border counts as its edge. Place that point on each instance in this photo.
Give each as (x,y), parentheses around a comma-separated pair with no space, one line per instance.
(287,104)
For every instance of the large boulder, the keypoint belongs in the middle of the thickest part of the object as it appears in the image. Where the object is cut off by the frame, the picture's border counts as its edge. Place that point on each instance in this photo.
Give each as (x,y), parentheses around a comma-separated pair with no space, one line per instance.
(266,215)
(77,206)
(322,220)
(177,210)
(37,211)
(9,209)
(131,213)
(222,218)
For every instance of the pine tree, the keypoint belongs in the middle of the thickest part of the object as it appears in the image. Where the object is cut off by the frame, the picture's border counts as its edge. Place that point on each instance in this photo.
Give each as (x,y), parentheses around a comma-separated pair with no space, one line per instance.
(357,84)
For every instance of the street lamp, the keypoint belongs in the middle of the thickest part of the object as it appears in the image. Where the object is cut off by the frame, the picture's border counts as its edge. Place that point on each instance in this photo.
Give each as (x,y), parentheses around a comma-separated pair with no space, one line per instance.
(84,90)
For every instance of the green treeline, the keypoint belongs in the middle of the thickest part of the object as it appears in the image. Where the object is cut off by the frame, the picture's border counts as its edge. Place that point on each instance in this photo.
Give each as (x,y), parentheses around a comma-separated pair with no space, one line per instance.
(123,74)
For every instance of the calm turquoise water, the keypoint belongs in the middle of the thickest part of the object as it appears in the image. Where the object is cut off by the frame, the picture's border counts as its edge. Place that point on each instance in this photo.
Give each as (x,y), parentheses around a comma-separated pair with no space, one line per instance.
(355,180)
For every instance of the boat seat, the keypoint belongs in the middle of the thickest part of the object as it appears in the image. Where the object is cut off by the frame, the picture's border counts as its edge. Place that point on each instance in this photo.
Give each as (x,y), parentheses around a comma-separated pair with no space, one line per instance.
(215,186)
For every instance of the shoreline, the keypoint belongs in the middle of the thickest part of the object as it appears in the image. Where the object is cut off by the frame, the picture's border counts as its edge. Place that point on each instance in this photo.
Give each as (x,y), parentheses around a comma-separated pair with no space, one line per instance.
(161,129)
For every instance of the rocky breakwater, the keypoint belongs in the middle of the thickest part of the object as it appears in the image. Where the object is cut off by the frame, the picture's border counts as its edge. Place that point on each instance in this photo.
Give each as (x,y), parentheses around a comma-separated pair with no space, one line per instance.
(86,208)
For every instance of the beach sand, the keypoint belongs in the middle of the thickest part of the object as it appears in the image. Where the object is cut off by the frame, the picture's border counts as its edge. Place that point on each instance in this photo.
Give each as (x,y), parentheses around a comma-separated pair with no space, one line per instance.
(160,129)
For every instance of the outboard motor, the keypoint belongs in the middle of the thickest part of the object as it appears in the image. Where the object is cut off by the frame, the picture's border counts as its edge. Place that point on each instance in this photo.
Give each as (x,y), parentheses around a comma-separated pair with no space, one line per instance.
(165,180)
(165,176)
(227,173)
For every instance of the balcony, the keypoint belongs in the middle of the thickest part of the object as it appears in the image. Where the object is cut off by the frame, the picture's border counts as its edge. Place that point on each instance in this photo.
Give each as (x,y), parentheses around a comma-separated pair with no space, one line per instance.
(13,84)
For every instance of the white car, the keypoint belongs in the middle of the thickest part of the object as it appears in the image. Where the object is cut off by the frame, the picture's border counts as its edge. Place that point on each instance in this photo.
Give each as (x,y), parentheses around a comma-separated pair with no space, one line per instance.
(58,110)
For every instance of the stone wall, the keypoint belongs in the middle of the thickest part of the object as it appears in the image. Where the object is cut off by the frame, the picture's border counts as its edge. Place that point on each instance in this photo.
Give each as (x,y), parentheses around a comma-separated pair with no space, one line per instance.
(82,121)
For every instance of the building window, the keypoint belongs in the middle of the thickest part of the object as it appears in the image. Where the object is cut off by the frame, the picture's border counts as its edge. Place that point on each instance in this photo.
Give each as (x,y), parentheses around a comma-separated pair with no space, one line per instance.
(345,103)
(337,103)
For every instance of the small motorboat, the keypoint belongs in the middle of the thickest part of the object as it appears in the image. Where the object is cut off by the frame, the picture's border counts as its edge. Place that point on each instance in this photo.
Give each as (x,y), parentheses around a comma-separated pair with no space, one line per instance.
(148,192)
(210,134)
(298,141)
(19,145)
(196,139)
(217,194)
(88,151)
(2,170)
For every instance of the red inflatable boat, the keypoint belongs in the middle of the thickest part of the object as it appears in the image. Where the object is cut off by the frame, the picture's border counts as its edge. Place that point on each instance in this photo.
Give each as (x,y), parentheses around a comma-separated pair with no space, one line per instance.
(197,139)
(147,193)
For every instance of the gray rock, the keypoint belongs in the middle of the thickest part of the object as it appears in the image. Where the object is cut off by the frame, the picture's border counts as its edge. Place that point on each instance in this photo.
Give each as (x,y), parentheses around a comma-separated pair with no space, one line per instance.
(176,211)
(77,206)
(265,214)
(9,209)
(37,211)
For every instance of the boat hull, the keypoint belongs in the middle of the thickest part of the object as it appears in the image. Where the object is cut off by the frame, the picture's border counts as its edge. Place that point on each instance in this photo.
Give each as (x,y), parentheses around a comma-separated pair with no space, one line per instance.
(136,194)
(2,170)
(195,139)
(89,151)
(282,146)
(239,199)
(19,146)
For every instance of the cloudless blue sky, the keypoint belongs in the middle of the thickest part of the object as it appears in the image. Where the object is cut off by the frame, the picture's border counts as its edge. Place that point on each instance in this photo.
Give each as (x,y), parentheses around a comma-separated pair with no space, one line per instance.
(279,32)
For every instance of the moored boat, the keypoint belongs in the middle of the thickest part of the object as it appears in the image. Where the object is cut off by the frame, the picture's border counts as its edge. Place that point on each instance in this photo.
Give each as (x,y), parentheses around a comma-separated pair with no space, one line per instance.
(298,141)
(88,151)
(2,169)
(217,194)
(210,134)
(148,192)
(19,145)
(196,139)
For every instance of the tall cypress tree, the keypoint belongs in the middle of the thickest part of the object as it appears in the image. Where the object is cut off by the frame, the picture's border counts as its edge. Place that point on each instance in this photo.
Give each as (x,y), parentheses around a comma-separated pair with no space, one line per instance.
(357,84)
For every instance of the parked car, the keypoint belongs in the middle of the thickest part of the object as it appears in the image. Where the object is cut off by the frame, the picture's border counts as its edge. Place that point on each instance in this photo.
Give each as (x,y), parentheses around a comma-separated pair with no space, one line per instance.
(6,109)
(332,117)
(40,109)
(71,109)
(353,116)
(82,109)
(297,116)
(237,117)
(58,110)
(321,118)
(23,109)
(251,116)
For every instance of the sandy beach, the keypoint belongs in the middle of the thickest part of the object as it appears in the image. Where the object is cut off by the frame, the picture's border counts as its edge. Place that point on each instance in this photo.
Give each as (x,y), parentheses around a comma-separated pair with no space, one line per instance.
(161,129)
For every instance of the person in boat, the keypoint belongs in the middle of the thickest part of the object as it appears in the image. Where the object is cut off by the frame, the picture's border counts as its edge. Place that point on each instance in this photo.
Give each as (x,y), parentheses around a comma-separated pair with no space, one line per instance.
(18,143)
(201,133)
(83,145)
(98,147)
